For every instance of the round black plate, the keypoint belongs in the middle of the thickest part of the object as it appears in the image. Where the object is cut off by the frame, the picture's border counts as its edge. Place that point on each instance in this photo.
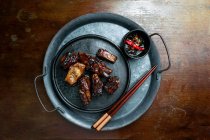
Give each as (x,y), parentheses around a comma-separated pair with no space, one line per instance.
(90,44)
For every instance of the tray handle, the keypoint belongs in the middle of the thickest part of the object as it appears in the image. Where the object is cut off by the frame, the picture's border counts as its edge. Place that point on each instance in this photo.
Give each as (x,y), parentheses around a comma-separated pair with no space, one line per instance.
(37,93)
(169,60)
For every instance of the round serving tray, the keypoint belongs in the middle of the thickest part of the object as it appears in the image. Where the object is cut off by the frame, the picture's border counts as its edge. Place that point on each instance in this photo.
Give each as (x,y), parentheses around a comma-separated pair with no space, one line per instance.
(113,27)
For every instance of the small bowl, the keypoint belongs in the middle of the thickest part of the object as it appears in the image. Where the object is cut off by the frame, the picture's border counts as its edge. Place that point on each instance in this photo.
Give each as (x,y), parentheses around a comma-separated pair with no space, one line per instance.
(145,38)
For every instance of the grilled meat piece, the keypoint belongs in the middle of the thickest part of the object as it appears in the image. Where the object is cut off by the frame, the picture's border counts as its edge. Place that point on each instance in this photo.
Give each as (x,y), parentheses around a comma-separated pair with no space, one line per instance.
(69,59)
(106,55)
(84,90)
(112,84)
(98,67)
(104,70)
(84,58)
(97,85)
(94,65)
(74,73)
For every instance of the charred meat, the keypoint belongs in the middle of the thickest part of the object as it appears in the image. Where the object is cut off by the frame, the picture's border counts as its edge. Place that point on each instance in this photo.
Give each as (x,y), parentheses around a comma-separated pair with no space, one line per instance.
(104,54)
(112,84)
(84,90)
(94,65)
(84,58)
(74,73)
(69,59)
(98,67)
(97,85)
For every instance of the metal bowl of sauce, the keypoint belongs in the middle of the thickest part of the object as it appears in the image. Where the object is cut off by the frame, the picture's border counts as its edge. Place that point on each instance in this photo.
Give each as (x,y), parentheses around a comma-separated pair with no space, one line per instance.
(136,44)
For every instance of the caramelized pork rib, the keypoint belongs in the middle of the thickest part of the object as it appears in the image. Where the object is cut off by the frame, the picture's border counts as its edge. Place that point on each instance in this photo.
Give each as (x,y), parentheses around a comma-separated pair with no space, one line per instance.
(84,90)
(94,65)
(98,67)
(84,58)
(102,53)
(104,70)
(97,85)
(74,73)
(69,59)
(112,84)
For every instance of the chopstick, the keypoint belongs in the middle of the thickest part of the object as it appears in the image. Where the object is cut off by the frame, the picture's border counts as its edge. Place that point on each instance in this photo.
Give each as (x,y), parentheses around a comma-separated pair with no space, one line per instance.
(98,125)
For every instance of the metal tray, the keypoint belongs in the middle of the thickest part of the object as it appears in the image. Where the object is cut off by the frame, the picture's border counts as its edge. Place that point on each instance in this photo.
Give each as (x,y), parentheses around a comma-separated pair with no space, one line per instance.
(113,27)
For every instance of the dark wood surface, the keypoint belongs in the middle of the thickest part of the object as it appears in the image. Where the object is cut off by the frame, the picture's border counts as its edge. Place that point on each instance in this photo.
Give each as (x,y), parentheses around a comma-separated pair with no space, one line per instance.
(181,109)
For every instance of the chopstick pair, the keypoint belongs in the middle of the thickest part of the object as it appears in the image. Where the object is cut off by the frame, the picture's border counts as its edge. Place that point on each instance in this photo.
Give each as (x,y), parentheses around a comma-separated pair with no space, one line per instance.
(99,124)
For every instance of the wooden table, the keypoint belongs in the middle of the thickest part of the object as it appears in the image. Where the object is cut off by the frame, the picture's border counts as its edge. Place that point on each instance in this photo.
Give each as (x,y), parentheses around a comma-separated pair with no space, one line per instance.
(181,109)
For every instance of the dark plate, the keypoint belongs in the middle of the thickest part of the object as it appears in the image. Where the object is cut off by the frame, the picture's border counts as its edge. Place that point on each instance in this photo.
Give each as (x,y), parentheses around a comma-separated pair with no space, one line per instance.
(113,27)
(90,44)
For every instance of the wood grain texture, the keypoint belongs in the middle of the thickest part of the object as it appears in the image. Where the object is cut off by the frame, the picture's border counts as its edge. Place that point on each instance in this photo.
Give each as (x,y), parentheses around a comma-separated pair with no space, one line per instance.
(181,109)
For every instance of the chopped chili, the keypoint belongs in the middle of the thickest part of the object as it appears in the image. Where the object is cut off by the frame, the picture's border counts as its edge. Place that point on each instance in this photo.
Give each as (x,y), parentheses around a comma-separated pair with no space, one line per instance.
(132,44)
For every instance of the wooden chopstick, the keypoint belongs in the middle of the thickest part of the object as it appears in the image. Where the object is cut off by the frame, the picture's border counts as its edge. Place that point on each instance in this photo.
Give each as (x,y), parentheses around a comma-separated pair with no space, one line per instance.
(121,103)
(98,125)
